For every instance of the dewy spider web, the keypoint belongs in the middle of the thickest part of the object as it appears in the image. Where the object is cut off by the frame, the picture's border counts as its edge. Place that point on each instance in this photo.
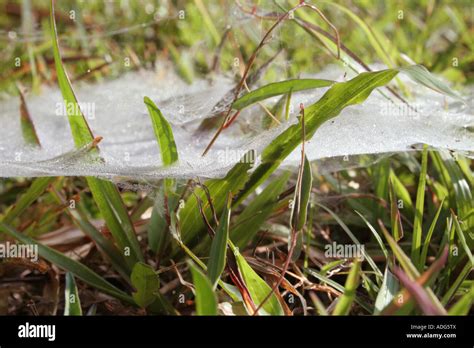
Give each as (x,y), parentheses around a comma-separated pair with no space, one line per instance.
(130,151)
(361,133)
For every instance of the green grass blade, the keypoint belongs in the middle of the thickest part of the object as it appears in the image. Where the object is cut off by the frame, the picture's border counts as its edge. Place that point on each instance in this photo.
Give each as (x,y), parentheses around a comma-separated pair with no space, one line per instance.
(400,255)
(344,303)
(80,129)
(339,96)
(146,283)
(420,74)
(27,127)
(387,291)
(163,133)
(217,257)
(457,283)
(397,229)
(278,88)
(464,304)
(256,212)
(72,303)
(376,235)
(369,33)
(258,288)
(336,286)
(402,193)
(158,228)
(426,244)
(113,210)
(462,239)
(36,189)
(206,299)
(354,239)
(105,245)
(419,206)
(190,218)
(301,199)
(105,193)
(78,269)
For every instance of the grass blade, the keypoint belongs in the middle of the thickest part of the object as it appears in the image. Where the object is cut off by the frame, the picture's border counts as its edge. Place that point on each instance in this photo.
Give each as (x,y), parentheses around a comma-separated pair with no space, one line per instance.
(146,283)
(258,288)
(158,227)
(27,127)
(72,303)
(420,74)
(354,239)
(36,189)
(278,88)
(190,218)
(206,299)
(163,133)
(217,257)
(387,291)
(105,194)
(78,269)
(419,206)
(80,129)
(395,218)
(339,96)
(426,244)
(344,303)
(464,304)
(419,294)
(301,198)
(256,212)
(462,239)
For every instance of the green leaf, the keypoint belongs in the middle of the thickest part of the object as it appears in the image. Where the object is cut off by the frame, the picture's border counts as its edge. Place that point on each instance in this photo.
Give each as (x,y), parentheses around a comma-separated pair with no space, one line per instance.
(344,303)
(112,208)
(72,303)
(336,286)
(190,218)
(78,269)
(462,239)
(387,292)
(459,188)
(397,228)
(301,198)
(248,223)
(376,235)
(147,284)
(163,133)
(426,244)
(278,88)
(368,33)
(206,299)
(464,304)
(339,96)
(80,129)
(27,127)
(104,244)
(401,192)
(354,239)
(36,189)
(217,257)
(419,206)
(105,193)
(421,75)
(408,267)
(258,288)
